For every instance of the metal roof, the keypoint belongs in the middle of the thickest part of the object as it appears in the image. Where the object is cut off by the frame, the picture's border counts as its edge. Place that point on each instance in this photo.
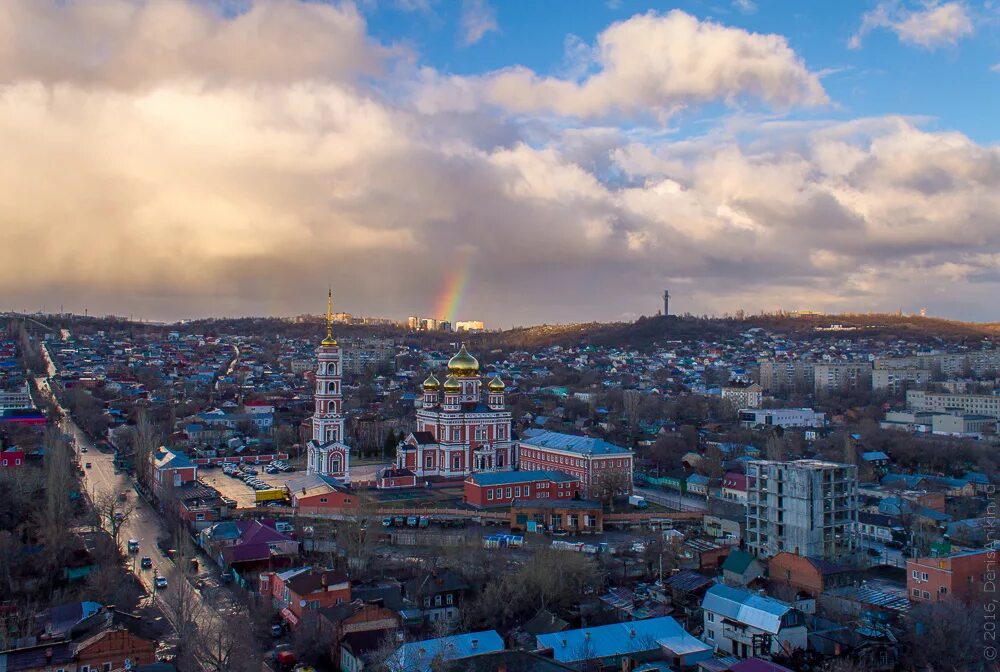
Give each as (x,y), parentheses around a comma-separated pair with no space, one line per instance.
(745,607)
(583,445)
(621,638)
(419,656)
(505,477)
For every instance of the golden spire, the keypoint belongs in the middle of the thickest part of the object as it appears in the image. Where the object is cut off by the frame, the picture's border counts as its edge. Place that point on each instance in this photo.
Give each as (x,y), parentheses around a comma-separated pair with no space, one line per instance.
(329,341)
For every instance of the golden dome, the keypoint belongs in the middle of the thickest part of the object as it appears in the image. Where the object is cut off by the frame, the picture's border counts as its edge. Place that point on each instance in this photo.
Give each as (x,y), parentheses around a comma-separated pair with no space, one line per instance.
(452,385)
(329,342)
(432,384)
(496,385)
(463,364)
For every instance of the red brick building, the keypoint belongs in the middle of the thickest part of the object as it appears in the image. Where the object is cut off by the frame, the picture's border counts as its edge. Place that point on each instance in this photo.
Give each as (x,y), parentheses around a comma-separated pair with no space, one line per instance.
(171,470)
(318,493)
(110,649)
(963,576)
(593,462)
(807,574)
(484,490)
(390,478)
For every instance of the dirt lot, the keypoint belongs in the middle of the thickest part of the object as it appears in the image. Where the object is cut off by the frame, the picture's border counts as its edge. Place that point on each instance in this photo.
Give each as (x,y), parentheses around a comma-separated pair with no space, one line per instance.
(236,489)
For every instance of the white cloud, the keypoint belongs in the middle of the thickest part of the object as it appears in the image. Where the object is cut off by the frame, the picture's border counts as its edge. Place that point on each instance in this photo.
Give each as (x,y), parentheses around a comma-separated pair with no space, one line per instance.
(478,18)
(245,192)
(995,68)
(935,25)
(126,43)
(654,63)
(745,6)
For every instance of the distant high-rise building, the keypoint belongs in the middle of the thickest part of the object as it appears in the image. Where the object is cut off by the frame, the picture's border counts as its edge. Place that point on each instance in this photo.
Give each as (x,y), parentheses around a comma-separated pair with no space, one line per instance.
(444,325)
(666,302)
(413,322)
(469,325)
(428,324)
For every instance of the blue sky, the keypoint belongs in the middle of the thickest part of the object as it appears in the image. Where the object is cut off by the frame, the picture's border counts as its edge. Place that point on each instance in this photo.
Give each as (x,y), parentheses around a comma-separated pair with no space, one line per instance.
(951,84)
(570,160)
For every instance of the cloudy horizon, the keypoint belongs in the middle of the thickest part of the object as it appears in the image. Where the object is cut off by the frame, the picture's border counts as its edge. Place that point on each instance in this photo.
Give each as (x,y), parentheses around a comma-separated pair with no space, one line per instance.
(171,159)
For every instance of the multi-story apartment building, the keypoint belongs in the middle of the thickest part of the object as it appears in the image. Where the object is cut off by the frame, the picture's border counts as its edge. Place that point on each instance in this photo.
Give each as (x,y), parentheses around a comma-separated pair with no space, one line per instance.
(946,365)
(16,399)
(841,377)
(809,507)
(783,376)
(741,395)
(968,404)
(899,380)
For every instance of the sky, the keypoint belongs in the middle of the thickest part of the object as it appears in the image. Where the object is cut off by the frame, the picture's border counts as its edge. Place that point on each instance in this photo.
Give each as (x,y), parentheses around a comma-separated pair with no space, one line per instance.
(515,162)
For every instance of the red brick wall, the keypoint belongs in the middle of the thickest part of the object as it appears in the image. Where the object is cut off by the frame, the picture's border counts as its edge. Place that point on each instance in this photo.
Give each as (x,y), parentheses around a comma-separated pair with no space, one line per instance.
(794,570)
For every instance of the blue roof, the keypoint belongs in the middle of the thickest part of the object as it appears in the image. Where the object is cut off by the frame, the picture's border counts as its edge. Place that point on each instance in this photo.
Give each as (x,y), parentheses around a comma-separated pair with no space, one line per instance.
(874,455)
(745,607)
(623,638)
(418,656)
(583,445)
(505,477)
(698,478)
(168,459)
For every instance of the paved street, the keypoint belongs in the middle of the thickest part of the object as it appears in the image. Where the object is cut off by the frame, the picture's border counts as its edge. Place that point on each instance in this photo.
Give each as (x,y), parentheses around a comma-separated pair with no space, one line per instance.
(672,500)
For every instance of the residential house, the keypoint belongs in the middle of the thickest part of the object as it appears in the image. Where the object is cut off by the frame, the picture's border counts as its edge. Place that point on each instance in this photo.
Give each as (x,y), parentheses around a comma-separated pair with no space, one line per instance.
(299,593)
(248,545)
(171,470)
(652,639)
(104,651)
(316,493)
(740,568)
(734,487)
(426,655)
(438,594)
(745,624)
(698,485)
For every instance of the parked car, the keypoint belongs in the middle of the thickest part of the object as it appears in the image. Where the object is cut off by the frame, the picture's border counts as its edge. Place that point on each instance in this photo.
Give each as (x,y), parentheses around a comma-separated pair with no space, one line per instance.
(387,522)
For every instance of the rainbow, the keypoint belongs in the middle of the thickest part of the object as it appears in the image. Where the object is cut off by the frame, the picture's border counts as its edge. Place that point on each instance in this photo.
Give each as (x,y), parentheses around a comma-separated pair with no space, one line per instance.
(452,292)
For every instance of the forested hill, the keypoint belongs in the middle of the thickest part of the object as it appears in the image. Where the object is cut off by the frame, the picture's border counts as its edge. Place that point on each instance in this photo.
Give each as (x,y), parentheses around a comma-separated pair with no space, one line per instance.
(649,331)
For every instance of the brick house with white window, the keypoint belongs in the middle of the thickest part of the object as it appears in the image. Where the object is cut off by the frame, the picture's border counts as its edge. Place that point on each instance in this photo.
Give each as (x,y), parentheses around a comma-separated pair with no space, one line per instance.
(589,459)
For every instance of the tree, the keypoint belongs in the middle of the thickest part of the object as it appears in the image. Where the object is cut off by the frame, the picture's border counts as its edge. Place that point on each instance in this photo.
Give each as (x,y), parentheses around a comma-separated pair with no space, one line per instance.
(183,608)
(146,440)
(947,636)
(630,404)
(112,515)
(611,484)
(224,645)
(59,482)
(775,450)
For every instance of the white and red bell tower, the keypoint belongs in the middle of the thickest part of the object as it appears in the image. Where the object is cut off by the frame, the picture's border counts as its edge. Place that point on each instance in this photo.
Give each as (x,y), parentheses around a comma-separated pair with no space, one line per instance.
(327,453)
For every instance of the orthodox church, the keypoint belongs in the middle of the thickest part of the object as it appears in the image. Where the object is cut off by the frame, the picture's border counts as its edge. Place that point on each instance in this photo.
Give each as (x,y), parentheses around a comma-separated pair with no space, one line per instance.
(326,452)
(463,426)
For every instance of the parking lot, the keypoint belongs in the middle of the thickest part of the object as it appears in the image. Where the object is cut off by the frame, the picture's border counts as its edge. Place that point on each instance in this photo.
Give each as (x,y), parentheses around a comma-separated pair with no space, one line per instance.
(235,489)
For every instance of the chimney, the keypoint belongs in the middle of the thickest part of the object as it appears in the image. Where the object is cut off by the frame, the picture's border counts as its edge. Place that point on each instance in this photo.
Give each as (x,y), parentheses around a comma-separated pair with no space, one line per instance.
(475,643)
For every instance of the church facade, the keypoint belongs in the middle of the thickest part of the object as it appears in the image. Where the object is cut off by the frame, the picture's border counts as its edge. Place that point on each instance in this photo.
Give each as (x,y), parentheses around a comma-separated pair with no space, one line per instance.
(463,426)
(326,452)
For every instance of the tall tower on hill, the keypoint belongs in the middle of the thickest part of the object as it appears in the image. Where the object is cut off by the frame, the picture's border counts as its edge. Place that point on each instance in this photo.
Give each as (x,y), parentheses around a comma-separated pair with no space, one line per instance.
(666,302)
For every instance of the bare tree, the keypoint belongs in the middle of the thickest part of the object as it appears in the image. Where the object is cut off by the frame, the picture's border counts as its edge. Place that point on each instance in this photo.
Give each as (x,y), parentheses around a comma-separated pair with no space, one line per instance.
(224,645)
(183,608)
(775,449)
(146,439)
(59,481)
(611,484)
(112,515)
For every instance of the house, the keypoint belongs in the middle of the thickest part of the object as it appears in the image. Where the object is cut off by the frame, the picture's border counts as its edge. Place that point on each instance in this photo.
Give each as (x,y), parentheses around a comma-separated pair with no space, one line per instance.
(428,654)
(391,477)
(501,488)
(298,593)
(595,462)
(810,575)
(171,470)
(698,485)
(317,493)
(356,648)
(437,594)
(248,544)
(104,651)
(876,527)
(200,504)
(745,624)
(734,487)
(740,568)
(660,639)
(12,458)
(964,576)
(360,627)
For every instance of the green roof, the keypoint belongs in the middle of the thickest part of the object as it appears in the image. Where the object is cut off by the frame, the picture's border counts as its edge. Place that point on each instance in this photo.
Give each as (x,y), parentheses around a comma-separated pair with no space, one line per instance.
(737,562)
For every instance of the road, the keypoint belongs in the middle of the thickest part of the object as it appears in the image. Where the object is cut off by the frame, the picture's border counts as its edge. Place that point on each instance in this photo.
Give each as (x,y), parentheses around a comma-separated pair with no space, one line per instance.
(671,500)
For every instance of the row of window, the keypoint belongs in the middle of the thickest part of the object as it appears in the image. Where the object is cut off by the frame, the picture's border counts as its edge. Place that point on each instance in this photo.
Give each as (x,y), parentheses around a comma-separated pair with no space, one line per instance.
(7,463)
(450,599)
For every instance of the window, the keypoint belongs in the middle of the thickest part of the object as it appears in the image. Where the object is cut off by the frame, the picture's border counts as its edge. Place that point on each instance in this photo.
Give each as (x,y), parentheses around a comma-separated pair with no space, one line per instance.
(517,491)
(711,634)
(923,577)
(451,598)
(427,601)
(527,491)
(489,494)
(710,616)
(916,593)
(85,668)
(509,495)
(322,500)
(927,595)
(437,600)
(916,574)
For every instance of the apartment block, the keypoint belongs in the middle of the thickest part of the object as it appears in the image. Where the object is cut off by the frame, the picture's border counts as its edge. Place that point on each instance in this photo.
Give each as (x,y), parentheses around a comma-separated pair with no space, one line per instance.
(967,404)
(899,380)
(781,417)
(842,377)
(783,376)
(966,576)
(743,396)
(946,364)
(808,507)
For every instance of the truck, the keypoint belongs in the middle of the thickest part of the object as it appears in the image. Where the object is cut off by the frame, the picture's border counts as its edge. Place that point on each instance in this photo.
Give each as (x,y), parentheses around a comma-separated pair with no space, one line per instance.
(637,501)
(271,495)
